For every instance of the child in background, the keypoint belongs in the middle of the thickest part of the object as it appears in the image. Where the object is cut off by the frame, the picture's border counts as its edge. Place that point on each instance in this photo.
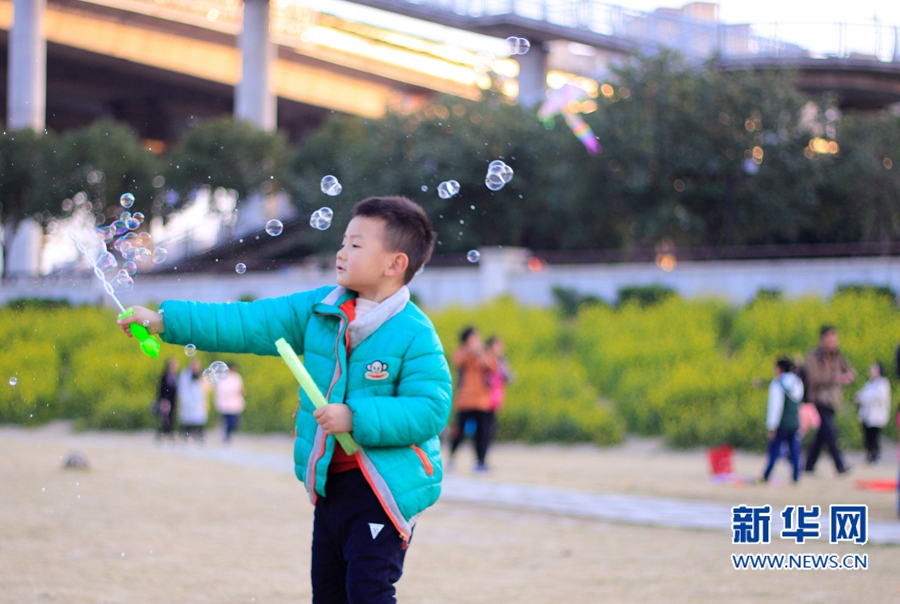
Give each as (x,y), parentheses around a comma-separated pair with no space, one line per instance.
(472,398)
(874,400)
(229,399)
(379,361)
(783,417)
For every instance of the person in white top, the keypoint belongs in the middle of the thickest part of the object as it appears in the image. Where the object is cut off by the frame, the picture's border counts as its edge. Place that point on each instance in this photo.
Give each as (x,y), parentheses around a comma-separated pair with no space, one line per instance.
(193,402)
(874,400)
(229,399)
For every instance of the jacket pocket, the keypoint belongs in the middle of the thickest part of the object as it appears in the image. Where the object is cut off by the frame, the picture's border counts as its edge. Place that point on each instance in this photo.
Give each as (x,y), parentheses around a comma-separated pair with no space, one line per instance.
(426,463)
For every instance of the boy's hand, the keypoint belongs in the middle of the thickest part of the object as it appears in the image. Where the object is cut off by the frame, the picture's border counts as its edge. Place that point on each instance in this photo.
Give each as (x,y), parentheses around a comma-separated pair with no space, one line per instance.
(334,418)
(150,319)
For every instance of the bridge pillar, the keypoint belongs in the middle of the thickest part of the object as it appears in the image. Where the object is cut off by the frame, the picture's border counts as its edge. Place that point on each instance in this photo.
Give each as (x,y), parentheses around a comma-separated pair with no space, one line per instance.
(254,99)
(532,74)
(27,86)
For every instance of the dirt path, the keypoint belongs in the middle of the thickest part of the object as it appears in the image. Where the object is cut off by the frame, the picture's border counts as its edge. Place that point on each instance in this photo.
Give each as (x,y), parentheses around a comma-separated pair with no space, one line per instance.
(199,530)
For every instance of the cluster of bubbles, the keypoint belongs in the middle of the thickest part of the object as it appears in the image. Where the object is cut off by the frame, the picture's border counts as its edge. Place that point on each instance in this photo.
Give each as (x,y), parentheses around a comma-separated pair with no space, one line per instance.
(330,185)
(473,256)
(321,219)
(274,227)
(498,175)
(216,372)
(517,46)
(448,189)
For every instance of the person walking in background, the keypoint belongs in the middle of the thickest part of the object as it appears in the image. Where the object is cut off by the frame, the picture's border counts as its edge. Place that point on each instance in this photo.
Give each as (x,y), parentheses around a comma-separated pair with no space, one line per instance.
(472,398)
(165,401)
(783,417)
(827,372)
(193,404)
(229,400)
(874,400)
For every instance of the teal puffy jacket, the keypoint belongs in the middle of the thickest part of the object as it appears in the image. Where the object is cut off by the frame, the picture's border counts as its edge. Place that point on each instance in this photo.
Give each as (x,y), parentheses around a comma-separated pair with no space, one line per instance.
(396,381)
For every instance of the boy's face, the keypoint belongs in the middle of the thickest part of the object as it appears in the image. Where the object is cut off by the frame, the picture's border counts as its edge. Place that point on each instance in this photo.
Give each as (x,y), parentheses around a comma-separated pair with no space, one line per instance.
(363,263)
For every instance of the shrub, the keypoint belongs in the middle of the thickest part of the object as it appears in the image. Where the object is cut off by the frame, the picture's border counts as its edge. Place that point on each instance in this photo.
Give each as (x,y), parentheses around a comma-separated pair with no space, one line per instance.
(643,295)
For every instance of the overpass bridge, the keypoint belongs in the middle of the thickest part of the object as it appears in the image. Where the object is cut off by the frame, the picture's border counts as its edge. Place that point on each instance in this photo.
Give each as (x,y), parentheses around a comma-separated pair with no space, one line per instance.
(159,64)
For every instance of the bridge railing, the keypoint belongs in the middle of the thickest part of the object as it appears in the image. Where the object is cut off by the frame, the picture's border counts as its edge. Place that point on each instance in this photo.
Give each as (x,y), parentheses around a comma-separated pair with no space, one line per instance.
(695,38)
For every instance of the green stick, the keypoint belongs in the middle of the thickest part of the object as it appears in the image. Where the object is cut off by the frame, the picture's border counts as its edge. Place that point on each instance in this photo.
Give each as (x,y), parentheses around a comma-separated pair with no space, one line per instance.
(312,391)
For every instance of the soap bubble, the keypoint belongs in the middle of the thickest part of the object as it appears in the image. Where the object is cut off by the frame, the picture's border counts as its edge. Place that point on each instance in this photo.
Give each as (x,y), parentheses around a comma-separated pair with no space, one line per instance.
(330,185)
(139,216)
(107,233)
(517,46)
(106,261)
(448,189)
(132,223)
(207,376)
(146,323)
(123,281)
(119,227)
(190,350)
(127,200)
(143,239)
(129,267)
(13,381)
(473,256)
(494,182)
(240,268)
(483,62)
(216,372)
(125,248)
(124,216)
(321,219)
(160,254)
(424,188)
(142,254)
(274,227)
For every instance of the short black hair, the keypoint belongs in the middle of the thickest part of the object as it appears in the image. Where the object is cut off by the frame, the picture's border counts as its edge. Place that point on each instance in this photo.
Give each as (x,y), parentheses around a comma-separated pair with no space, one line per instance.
(407,228)
(826,329)
(784,365)
(466,334)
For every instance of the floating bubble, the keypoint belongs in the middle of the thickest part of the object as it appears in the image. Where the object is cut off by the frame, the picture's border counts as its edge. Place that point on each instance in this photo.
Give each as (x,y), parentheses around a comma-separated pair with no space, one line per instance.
(494,182)
(483,62)
(160,254)
(326,213)
(143,239)
(207,376)
(330,185)
(240,268)
(274,227)
(146,323)
(139,216)
(13,381)
(123,281)
(106,261)
(129,267)
(142,254)
(448,189)
(424,188)
(190,350)
(473,256)
(321,219)
(67,205)
(216,372)
(119,227)
(132,223)
(124,216)
(108,234)
(517,46)
(126,200)
(125,248)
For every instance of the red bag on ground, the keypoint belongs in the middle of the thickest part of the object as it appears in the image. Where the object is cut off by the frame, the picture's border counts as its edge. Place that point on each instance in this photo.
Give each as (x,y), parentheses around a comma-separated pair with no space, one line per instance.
(720,459)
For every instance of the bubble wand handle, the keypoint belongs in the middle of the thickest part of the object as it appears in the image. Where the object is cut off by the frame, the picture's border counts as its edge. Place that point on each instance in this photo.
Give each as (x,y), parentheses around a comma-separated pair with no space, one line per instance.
(312,391)
(149,344)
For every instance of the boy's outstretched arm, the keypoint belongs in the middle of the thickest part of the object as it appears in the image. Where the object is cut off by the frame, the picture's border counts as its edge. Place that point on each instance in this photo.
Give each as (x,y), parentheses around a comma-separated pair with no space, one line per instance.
(241,327)
(422,405)
(150,319)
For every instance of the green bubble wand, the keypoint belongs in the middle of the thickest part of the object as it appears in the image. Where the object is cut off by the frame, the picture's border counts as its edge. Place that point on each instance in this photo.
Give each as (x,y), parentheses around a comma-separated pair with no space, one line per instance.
(149,344)
(312,391)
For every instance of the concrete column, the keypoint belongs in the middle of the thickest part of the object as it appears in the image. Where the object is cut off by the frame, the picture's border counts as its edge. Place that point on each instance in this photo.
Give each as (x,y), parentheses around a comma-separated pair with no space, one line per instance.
(254,98)
(532,75)
(27,86)
(497,266)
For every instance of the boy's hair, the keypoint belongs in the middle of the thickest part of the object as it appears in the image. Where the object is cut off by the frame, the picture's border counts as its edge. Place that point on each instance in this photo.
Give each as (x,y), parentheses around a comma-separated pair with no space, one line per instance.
(784,365)
(466,333)
(407,228)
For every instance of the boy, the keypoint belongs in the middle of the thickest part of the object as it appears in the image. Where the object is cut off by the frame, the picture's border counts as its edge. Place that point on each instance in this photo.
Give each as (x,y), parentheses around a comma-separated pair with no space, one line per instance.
(379,361)
(783,416)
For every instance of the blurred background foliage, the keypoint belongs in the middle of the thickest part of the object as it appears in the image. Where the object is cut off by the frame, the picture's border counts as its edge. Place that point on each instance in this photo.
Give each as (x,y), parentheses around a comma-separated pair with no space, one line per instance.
(695,372)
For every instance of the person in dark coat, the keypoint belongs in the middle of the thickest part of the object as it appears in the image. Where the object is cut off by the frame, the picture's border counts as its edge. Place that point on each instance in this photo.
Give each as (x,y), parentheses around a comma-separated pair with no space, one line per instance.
(165,401)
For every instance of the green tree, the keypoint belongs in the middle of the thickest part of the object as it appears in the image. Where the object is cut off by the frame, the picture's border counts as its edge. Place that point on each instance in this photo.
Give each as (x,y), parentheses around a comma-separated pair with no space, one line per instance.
(227,153)
(23,159)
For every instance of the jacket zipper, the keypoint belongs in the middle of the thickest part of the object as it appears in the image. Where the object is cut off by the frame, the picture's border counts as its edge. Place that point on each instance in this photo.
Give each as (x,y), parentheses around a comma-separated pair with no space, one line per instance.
(337,376)
(426,463)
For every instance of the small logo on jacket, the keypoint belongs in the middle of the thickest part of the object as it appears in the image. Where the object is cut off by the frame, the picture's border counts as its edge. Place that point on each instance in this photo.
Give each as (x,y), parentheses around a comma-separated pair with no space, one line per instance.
(375,529)
(377,371)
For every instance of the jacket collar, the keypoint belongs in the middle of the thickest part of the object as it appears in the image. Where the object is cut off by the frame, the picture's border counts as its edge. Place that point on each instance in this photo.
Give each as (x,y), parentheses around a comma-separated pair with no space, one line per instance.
(375,318)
